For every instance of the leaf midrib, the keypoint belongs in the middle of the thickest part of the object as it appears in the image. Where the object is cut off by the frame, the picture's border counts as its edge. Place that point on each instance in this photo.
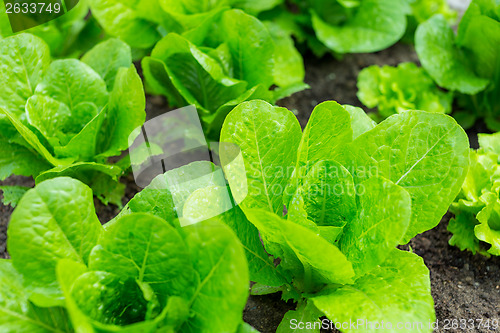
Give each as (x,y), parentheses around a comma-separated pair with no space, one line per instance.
(423,156)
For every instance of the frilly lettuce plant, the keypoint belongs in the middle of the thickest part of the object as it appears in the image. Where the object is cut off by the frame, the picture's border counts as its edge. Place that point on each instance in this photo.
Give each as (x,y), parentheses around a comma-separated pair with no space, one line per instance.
(139,274)
(67,117)
(477,207)
(467,63)
(352,191)
(397,89)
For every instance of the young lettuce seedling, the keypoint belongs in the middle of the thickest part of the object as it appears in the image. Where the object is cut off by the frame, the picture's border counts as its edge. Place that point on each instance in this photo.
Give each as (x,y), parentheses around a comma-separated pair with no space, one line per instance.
(67,117)
(140,274)
(353,191)
(477,207)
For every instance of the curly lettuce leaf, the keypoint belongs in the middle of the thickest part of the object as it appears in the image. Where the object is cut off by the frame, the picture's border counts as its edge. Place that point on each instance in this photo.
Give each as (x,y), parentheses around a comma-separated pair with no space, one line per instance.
(477,207)
(12,194)
(489,217)
(462,228)
(397,89)
(422,10)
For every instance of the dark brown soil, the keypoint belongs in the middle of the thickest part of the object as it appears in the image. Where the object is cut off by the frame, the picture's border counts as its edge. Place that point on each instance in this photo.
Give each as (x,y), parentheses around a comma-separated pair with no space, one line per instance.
(463,286)
(5,211)
(331,79)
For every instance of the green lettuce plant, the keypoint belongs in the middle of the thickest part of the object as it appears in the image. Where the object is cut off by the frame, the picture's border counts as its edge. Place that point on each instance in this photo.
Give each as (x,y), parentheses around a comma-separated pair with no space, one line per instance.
(342,26)
(230,58)
(139,274)
(206,54)
(332,203)
(397,89)
(467,63)
(422,10)
(353,26)
(477,207)
(320,213)
(69,35)
(143,24)
(67,117)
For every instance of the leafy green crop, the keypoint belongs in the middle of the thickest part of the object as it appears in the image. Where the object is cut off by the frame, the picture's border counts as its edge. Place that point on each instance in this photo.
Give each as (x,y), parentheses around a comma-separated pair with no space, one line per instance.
(422,10)
(70,35)
(67,117)
(342,26)
(468,62)
(353,26)
(139,274)
(206,54)
(397,89)
(142,24)
(352,190)
(230,58)
(477,207)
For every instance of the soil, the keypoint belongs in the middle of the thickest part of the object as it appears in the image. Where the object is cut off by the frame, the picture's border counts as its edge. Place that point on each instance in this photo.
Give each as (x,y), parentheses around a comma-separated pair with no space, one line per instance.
(464,286)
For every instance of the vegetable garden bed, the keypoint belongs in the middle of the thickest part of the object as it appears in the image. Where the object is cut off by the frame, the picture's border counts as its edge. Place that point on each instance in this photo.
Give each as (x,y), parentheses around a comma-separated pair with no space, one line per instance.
(318,166)
(464,286)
